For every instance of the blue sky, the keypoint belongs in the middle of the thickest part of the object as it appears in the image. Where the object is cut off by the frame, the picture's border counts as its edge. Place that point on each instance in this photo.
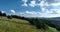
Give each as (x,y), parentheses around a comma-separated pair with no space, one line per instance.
(7,5)
(33,8)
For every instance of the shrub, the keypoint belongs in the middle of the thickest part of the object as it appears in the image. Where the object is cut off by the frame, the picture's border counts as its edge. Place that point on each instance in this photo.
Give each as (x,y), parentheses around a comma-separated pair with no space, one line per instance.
(51,29)
(3,14)
(39,24)
(9,17)
(31,21)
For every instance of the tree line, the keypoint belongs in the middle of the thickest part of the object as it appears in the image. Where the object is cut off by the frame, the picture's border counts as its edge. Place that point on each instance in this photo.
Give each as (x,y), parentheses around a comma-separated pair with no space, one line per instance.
(2,14)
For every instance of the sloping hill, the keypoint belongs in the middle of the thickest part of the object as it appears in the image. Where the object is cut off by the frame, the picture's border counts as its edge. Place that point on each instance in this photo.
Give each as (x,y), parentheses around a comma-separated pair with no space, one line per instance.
(18,25)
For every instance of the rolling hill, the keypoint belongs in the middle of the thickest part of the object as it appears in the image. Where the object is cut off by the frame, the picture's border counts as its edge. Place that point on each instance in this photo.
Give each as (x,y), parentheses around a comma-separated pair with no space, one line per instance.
(16,25)
(19,25)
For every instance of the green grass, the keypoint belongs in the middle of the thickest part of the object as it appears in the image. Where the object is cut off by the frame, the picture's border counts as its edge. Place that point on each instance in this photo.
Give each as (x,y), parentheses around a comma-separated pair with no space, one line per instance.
(16,25)
(50,29)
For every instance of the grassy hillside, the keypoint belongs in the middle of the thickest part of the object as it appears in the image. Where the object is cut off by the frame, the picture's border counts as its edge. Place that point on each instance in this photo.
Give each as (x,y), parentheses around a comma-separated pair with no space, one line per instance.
(18,25)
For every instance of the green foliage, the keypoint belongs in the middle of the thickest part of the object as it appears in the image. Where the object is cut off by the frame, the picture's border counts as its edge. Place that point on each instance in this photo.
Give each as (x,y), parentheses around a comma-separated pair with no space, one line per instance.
(16,25)
(51,24)
(31,21)
(50,29)
(2,14)
(9,17)
(38,23)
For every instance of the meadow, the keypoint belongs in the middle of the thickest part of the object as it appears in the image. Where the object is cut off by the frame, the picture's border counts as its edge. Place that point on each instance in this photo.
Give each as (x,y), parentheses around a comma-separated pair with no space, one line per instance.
(16,25)
(19,25)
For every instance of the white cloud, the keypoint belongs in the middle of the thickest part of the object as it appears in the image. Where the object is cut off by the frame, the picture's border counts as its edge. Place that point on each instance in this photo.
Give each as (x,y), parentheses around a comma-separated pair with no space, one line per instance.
(43,9)
(52,1)
(42,3)
(2,11)
(32,3)
(25,3)
(12,11)
(56,11)
(46,4)
(45,14)
(55,4)
(32,12)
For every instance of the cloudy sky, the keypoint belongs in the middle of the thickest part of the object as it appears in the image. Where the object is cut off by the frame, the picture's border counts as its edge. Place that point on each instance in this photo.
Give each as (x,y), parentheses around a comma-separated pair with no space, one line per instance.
(31,8)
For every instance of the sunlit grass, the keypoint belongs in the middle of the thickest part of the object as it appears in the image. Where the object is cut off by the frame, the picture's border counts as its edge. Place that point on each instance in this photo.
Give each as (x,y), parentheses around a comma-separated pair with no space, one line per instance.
(16,25)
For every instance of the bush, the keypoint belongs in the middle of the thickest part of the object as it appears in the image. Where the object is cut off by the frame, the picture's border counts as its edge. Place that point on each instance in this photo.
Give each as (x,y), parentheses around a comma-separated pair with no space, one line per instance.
(9,17)
(3,14)
(39,24)
(51,29)
(31,21)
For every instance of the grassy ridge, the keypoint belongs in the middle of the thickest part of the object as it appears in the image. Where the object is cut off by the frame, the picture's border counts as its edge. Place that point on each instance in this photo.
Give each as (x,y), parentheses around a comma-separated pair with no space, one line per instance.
(16,25)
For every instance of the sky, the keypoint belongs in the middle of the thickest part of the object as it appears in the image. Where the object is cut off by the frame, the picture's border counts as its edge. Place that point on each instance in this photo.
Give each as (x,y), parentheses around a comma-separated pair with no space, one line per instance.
(31,8)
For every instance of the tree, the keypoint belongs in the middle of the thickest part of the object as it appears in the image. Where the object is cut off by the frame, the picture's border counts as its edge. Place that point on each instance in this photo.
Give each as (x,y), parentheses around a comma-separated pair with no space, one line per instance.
(0,13)
(3,14)
(9,17)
